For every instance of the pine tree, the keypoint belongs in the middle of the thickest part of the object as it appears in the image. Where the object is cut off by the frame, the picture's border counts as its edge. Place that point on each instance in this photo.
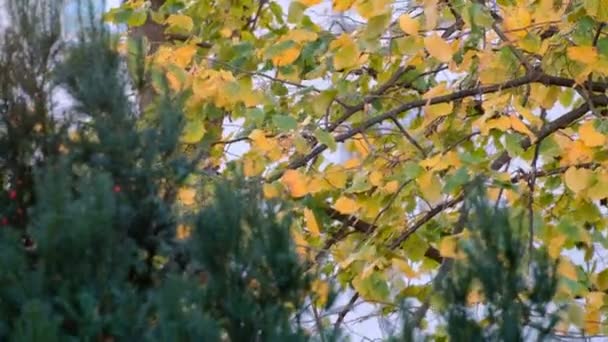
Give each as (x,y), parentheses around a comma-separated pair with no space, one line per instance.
(498,289)
(89,244)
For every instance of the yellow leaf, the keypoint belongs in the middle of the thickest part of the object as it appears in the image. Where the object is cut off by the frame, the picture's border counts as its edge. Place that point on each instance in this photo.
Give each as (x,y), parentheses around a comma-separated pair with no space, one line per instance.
(226,32)
(409,25)
(391,187)
(448,247)
(438,48)
(321,289)
(577,180)
(346,52)
(372,8)
(375,178)
(520,127)
(311,222)
(301,36)
(253,165)
(286,56)
(440,109)
(182,56)
(336,176)
(430,187)
(361,145)
(438,90)
(515,22)
(180,21)
(555,245)
(295,183)
(260,141)
(174,82)
(583,54)
(186,195)
(352,163)
(309,2)
(183,232)
(431,162)
(346,205)
(342,5)
(590,136)
(270,191)
(300,243)
(404,267)
(431,13)
(577,152)
(527,114)
(595,299)
(502,123)
(317,184)
(565,268)
(593,321)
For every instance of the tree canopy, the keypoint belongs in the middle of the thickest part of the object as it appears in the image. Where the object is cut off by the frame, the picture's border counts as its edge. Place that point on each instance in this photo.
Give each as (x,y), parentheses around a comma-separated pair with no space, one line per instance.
(370,121)
(424,95)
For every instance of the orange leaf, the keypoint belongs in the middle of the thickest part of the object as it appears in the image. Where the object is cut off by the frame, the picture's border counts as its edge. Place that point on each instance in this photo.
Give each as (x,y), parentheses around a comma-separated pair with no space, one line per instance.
(287,56)
(590,136)
(567,269)
(583,54)
(270,191)
(183,232)
(346,205)
(295,183)
(186,195)
(311,222)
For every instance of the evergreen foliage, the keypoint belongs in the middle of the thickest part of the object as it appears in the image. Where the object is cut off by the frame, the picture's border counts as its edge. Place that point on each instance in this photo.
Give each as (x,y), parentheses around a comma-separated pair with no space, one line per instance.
(497,290)
(89,244)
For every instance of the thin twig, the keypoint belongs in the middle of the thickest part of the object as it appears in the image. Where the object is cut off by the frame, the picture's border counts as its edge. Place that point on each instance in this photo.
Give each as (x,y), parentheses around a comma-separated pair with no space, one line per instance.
(344,312)
(409,137)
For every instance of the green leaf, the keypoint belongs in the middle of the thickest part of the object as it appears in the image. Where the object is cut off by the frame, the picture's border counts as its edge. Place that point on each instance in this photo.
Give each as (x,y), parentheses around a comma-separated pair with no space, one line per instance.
(456,180)
(322,101)
(284,122)
(326,138)
(412,170)
(602,280)
(295,12)
(193,132)
(513,145)
(373,287)
(256,115)
(359,184)
(376,26)
(137,18)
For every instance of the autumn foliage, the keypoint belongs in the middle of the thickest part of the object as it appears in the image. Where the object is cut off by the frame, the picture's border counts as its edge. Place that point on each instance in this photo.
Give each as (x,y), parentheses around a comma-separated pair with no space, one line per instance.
(371,118)
(417,98)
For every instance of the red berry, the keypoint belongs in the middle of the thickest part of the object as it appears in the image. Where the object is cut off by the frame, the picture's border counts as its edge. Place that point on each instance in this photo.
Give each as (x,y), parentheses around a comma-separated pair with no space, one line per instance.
(4,221)
(117,188)
(12,194)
